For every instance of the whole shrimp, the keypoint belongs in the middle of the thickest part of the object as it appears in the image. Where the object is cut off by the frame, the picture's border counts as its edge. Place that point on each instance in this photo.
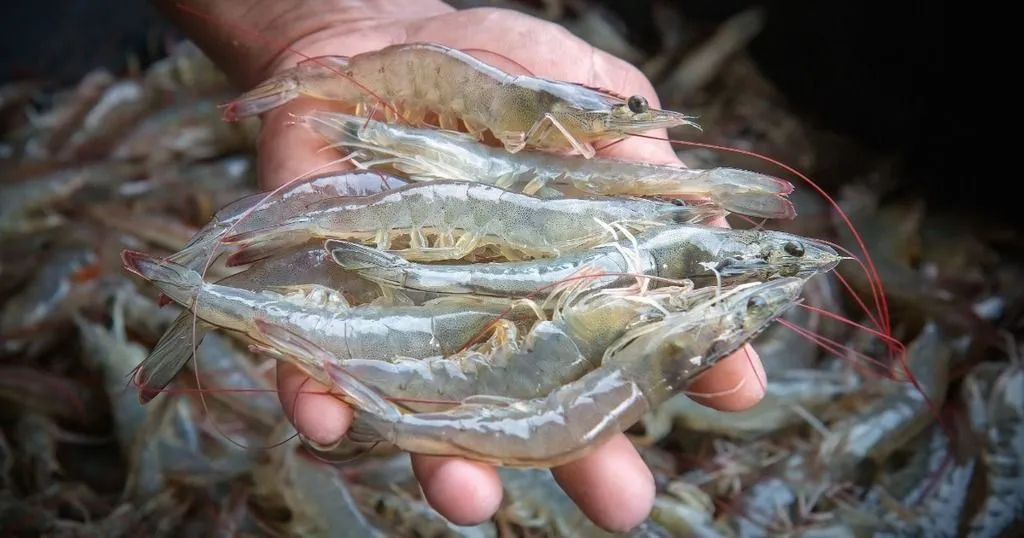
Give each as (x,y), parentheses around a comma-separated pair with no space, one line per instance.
(367,331)
(933,497)
(519,111)
(704,254)
(430,154)
(863,440)
(643,369)
(464,216)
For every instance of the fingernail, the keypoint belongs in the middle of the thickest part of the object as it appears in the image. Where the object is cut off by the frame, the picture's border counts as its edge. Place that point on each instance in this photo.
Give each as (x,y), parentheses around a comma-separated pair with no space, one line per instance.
(319,447)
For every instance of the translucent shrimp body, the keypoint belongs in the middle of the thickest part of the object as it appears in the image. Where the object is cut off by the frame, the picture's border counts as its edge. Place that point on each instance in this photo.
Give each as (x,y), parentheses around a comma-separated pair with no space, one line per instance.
(645,368)
(449,220)
(260,210)
(366,331)
(429,154)
(419,78)
(704,254)
(553,353)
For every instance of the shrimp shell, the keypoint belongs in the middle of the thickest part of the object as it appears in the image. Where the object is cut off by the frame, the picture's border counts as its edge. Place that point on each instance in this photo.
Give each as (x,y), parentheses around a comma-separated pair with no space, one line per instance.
(704,254)
(428,154)
(520,111)
(461,217)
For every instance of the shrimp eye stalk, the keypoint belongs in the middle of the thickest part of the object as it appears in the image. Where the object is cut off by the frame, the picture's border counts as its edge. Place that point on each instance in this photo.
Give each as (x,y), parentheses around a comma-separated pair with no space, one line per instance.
(637,104)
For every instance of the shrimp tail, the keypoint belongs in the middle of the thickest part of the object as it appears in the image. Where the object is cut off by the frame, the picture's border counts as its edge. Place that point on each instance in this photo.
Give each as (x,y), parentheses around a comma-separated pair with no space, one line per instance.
(284,87)
(698,213)
(340,129)
(271,94)
(190,256)
(169,356)
(756,204)
(375,412)
(258,244)
(179,283)
(369,263)
(749,180)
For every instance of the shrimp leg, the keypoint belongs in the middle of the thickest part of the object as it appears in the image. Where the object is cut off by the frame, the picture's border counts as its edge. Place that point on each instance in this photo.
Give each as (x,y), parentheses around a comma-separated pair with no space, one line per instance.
(467,243)
(515,141)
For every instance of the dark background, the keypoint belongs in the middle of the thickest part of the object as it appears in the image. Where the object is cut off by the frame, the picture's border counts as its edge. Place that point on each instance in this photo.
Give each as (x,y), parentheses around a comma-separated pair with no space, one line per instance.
(872,69)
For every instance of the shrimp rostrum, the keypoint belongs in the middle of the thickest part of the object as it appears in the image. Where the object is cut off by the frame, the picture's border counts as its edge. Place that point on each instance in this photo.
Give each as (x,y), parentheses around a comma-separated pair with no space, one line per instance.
(415,79)
(641,370)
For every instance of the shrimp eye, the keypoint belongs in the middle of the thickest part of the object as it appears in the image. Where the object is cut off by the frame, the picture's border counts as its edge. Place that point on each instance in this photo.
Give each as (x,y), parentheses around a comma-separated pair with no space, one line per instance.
(677,201)
(793,249)
(756,302)
(637,104)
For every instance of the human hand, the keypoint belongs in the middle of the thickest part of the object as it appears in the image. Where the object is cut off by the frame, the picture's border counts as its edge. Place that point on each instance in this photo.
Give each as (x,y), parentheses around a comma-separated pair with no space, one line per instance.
(612,485)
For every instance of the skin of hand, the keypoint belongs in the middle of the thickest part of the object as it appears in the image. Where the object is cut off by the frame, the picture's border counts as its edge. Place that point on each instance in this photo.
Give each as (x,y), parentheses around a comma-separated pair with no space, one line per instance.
(612,485)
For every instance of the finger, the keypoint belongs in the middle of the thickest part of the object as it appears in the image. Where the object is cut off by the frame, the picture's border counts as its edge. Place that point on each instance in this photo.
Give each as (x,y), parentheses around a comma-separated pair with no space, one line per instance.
(318,416)
(465,492)
(736,383)
(289,150)
(612,485)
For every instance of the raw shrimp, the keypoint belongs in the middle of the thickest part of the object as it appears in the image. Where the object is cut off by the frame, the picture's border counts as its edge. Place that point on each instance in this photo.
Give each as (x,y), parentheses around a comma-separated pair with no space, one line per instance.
(186,70)
(315,493)
(704,254)
(122,105)
(463,216)
(63,281)
(110,353)
(520,111)
(367,331)
(539,505)
(900,414)
(309,264)
(51,130)
(427,154)
(261,208)
(861,441)
(552,354)
(686,511)
(645,368)
(407,516)
(993,393)
(185,132)
(808,389)
(934,503)
(32,205)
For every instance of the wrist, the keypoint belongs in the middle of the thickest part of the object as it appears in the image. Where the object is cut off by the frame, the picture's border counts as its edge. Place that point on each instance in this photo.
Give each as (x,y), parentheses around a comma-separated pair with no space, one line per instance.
(248,39)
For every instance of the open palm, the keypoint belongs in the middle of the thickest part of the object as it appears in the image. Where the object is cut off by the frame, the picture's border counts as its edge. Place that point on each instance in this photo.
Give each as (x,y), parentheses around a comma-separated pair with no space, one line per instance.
(612,485)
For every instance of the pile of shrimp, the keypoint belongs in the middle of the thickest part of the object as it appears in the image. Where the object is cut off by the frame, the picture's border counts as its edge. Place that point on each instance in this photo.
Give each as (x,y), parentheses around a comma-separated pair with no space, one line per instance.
(479,283)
